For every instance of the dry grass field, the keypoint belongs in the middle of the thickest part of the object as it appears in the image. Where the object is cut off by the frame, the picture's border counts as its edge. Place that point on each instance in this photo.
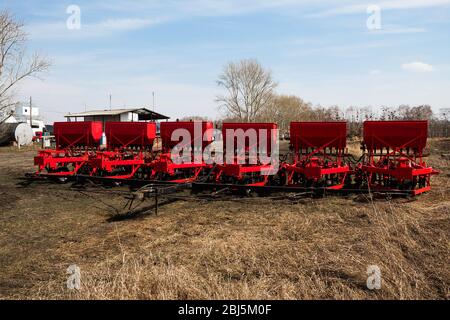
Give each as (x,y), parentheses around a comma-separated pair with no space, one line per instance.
(249,248)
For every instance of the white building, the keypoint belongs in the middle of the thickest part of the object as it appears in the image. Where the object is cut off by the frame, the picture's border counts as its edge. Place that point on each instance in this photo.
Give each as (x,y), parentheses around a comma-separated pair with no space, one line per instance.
(24,110)
(22,114)
(10,119)
(116,115)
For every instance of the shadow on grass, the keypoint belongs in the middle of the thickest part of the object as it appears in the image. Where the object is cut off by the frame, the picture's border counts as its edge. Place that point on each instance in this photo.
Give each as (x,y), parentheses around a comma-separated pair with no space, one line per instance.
(139,213)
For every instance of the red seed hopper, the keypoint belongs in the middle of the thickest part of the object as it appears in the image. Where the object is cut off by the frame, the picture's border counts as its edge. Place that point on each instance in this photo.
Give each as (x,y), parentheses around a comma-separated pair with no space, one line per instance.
(130,134)
(319,150)
(395,156)
(77,134)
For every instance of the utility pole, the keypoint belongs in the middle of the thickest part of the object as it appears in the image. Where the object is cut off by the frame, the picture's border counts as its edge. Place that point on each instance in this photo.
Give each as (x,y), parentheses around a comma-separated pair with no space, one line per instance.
(153,93)
(110,99)
(31,114)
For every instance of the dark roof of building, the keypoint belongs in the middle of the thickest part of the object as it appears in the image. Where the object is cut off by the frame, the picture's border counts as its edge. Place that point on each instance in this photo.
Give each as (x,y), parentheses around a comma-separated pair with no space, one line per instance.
(144,113)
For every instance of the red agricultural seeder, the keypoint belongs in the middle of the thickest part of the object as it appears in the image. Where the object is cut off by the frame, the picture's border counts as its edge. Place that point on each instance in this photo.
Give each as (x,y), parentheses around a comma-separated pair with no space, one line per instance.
(319,150)
(195,136)
(394,159)
(392,162)
(129,152)
(77,144)
(245,141)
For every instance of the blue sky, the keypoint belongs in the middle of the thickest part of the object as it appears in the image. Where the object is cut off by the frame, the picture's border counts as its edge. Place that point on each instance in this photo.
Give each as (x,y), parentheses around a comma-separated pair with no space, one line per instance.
(321,51)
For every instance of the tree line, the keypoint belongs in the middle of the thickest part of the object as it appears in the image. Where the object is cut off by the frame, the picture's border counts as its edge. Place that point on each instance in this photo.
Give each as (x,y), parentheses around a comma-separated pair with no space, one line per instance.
(250,96)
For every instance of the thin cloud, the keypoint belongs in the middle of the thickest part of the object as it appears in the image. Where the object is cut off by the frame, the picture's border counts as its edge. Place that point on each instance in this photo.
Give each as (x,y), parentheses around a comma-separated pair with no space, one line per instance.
(417,67)
(126,24)
(398,30)
(204,7)
(59,30)
(384,5)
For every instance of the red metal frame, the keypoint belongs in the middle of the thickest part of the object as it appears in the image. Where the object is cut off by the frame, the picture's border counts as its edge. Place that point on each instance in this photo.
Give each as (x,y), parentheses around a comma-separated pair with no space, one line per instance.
(76,146)
(119,164)
(60,162)
(395,156)
(130,148)
(163,168)
(319,149)
(245,173)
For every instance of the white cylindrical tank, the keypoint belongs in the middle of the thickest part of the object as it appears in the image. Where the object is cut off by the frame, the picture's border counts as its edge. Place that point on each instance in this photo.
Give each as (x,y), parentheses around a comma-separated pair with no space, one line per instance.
(20,133)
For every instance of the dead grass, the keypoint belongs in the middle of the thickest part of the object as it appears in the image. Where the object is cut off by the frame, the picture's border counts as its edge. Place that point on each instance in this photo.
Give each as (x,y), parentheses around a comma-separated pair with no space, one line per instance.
(11,149)
(252,249)
(322,254)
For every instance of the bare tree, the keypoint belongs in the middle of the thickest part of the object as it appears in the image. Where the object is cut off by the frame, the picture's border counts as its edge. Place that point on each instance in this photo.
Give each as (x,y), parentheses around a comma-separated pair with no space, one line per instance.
(283,109)
(249,89)
(15,65)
